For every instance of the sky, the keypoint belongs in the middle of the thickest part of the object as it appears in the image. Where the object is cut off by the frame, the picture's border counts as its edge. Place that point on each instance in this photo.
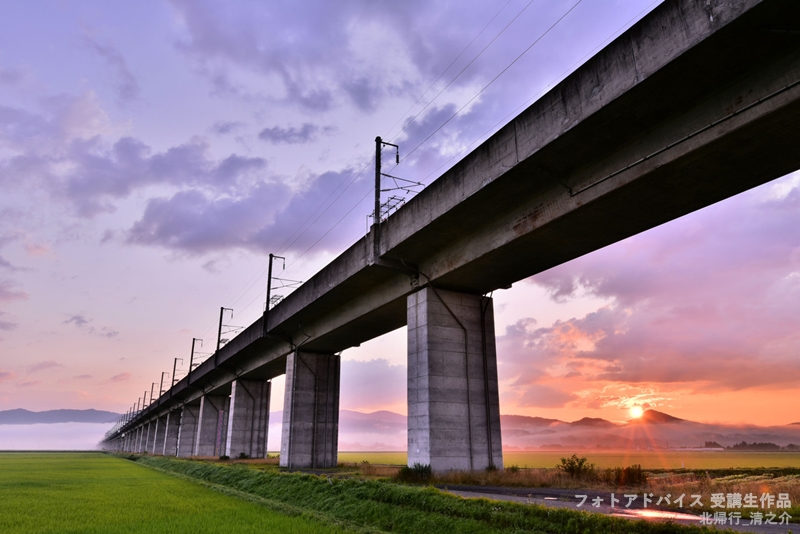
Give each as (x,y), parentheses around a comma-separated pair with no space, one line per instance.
(153,153)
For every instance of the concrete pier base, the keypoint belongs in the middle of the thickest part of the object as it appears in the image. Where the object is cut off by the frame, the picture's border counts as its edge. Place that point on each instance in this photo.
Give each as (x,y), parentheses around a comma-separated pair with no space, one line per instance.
(187,430)
(311,411)
(453,400)
(248,421)
(213,414)
(171,427)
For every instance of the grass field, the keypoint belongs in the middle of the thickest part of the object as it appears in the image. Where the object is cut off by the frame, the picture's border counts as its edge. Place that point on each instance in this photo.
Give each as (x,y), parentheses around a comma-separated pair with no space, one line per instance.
(372,505)
(606,460)
(97,493)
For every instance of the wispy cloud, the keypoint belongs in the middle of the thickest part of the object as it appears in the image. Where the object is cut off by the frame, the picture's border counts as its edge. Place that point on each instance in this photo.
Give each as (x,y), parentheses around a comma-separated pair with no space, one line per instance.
(226,127)
(707,303)
(7,375)
(6,325)
(41,366)
(292,135)
(262,218)
(125,82)
(121,377)
(78,320)
(10,76)
(9,293)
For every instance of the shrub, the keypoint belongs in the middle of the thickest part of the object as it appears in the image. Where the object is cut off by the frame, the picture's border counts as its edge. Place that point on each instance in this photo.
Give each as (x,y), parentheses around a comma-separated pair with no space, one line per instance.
(224,458)
(576,467)
(417,473)
(243,456)
(629,476)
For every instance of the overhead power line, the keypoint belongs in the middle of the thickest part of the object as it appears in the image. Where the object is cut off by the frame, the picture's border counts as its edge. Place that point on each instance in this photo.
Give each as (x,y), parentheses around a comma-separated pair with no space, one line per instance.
(492,81)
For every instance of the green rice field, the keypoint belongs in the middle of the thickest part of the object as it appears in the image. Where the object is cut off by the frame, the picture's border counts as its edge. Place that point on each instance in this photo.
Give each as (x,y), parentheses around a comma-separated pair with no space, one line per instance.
(604,460)
(98,493)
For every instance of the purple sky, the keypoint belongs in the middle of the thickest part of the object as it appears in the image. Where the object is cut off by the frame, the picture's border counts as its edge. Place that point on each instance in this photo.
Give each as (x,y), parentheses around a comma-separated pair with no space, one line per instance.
(153,153)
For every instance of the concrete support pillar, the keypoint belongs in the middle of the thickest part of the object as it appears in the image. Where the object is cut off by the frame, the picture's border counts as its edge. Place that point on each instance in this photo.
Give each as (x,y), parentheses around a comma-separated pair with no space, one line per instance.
(158,436)
(171,427)
(139,434)
(248,422)
(210,436)
(153,432)
(311,411)
(453,400)
(147,439)
(187,430)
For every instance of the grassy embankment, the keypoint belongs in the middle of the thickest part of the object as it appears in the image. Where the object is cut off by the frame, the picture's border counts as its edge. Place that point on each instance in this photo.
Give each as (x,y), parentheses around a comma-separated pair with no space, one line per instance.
(384,506)
(659,482)
(97,493)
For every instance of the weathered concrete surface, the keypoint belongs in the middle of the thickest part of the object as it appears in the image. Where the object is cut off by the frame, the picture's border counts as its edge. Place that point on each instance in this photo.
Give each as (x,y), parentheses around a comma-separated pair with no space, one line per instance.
(140,433)
(210,438)
(187,431)
(172,423)
(452,382)
(248,422)
(158,435)
(697,102)
(311,411)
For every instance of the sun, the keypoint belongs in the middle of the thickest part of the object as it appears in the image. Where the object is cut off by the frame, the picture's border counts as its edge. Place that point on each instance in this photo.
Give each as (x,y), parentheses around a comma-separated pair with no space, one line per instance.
(636,411)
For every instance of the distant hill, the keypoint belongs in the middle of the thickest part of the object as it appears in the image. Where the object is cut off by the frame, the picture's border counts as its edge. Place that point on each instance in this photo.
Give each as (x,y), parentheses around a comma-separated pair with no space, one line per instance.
(20,416)
(596,422)
(656,418)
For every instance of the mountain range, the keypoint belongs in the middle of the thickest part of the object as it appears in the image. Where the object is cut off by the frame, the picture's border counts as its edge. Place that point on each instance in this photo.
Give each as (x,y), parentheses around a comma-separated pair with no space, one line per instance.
(653,430)
(385,430)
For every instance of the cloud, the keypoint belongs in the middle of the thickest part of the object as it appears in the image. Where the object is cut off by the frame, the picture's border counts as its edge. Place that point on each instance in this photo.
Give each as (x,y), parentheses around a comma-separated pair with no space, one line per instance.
(127,87)
(5,264)
(29,383)
(10,76)
(67,149)
(705,303)
(291,136)
(264,218)
(226,127)
(121,377)
(6,325)
(9,294)
(78,320)
(83,377)
(7,375)
(105,332)
(105,174)
(542,396)
(317,55)
(41,366)
(37,250)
